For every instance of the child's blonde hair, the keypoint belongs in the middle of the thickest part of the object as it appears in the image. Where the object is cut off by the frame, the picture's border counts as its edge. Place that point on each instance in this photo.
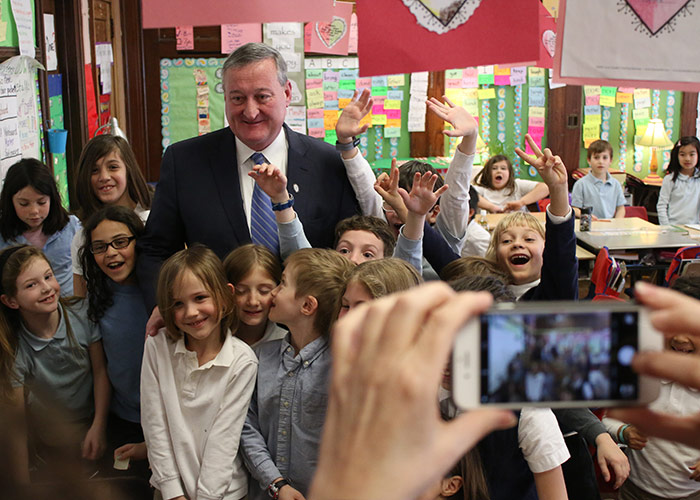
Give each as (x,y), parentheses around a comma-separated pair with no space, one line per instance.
(513,219)
(472,266)
(207,268)
(384,276)
(243,259)
(321,273)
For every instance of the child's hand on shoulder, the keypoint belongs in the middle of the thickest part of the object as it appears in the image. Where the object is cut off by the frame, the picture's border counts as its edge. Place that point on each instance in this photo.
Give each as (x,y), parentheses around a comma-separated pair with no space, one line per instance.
(272,181)
(422,198)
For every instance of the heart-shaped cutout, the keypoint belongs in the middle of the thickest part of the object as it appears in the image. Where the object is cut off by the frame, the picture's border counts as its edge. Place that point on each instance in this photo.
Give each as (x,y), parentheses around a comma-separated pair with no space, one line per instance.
(331,33)
(654,14)
(441,16)
(549,40)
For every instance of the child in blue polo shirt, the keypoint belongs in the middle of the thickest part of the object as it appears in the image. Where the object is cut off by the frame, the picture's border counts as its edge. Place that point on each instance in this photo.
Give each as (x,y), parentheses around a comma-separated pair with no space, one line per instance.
(598,189)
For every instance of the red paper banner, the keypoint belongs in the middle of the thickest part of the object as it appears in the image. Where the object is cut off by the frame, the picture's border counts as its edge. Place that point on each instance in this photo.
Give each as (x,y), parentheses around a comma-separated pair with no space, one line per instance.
(498,31)
(171,13)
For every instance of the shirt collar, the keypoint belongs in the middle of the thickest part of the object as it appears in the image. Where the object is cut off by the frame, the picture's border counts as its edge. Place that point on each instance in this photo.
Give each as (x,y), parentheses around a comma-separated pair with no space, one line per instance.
(608,178)
(223,358)
(309,353)
(39,343)
(276,152)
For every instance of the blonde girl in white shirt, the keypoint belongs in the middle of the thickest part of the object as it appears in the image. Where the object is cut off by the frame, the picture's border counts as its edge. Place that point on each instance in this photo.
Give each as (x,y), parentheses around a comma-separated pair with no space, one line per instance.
(196,383)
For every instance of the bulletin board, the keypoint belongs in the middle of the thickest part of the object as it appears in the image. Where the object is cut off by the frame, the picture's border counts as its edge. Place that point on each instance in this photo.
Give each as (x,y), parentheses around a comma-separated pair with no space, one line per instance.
(509,102)
(624,117)
(192,98)
(8,30)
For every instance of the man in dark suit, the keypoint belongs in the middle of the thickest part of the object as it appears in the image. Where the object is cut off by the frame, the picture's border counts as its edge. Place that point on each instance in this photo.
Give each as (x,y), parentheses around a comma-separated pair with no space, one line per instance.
(204,193)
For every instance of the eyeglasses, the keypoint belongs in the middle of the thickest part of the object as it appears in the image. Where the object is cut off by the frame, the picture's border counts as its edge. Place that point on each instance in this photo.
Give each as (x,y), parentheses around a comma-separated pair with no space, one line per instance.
(117,243)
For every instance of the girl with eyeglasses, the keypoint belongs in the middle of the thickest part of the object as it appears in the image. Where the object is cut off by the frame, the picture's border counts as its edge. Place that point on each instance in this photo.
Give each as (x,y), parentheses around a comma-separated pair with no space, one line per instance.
(115,303)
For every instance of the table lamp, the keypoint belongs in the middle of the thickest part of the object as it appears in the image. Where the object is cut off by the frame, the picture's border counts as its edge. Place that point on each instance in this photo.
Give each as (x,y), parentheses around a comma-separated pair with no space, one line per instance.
(655,138)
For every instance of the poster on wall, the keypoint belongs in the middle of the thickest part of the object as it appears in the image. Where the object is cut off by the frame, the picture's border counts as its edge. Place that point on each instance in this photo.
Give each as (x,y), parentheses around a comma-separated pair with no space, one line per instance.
(637,43)
(434,35)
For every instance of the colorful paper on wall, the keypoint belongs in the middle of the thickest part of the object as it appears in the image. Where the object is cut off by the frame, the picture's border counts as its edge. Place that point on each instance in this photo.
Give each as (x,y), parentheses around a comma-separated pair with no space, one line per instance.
(235,35)
(184,36)
(536,76)
(333,37)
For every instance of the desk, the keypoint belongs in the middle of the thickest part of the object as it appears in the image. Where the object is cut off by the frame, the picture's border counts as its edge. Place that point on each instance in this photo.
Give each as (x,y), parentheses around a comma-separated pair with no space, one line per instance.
(632,233)
(581,253)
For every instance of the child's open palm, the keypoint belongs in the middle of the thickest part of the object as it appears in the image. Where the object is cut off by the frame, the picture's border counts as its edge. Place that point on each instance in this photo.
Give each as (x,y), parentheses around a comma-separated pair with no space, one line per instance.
(549,166)
(388,188)
(422,198)
(348,124)
(463,123)
(271,180)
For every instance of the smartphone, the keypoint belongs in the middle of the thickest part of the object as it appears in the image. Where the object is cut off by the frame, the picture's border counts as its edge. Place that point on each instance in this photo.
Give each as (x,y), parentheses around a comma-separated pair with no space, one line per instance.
(554,354)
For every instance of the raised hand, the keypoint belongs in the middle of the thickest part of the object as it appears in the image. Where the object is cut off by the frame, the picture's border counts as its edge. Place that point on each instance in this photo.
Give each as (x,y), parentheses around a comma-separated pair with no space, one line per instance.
(388,188)
(462,121)
(272,181)
(422,198)
(549,166)
(348,125)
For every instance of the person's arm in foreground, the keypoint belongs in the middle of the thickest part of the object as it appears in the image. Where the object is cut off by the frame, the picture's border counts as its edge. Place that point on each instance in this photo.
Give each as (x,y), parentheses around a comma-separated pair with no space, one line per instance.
(672,313)
(383,437)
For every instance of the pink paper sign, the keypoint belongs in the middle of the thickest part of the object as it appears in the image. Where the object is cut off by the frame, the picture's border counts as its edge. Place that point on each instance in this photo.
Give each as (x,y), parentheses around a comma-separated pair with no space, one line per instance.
(185,37)
(352,41)
(333,37)
(235,35)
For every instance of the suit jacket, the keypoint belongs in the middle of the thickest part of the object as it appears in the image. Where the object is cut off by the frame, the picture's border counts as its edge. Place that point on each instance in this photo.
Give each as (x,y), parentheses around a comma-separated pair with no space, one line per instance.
(198,198)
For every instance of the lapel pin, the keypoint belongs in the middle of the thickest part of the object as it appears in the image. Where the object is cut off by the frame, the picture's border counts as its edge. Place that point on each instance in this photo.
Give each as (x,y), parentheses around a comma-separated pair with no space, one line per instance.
(296,188)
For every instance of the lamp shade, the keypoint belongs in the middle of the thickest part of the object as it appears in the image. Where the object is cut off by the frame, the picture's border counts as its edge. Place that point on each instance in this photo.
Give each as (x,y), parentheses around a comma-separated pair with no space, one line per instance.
(655,136)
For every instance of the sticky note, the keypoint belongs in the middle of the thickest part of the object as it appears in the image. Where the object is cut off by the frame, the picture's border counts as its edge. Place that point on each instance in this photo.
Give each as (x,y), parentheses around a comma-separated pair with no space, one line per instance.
(330,96)
(591,90)
(314,73)
(591,110)
(331,104)
(346,84)
(393,122)
(392,104)
(470,78)
(378,119)
(314,98)
(518,75)
(314,123)
(379,81)
(536,96)
(392,114)
(392,132)
(329,85)
(363,83)
(497,70)
(642,98)
(535,121)
(366,120)
(349,74)
(624,97)
(396,80)
(639,114)
(381,90)
(592,100)
(486,79)
(591,131)
(597,119)
(317,132)
(487,94)
(453,84)
(314,83)
(314,113)
(606,100)
(608,91)
(536,111)
(332,76)
(343,102)
(396,95)
(184,36)
(455,95)
(378,109)
(453,74)
(536,76)
(331,137)
(345,94)
(502,79)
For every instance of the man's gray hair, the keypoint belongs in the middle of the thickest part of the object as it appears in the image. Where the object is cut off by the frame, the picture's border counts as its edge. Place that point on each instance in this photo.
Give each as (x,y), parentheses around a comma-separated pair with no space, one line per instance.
(256,52)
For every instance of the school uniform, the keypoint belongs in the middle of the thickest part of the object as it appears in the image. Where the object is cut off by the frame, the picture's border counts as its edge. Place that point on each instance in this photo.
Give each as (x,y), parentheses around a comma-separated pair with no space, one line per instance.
(679,201)
(604,196)
(502,196)
(58,250)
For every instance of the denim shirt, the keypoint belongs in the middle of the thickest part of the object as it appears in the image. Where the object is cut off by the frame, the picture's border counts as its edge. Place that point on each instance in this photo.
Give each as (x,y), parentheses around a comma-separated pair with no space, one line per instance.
(282,432)
(57,250)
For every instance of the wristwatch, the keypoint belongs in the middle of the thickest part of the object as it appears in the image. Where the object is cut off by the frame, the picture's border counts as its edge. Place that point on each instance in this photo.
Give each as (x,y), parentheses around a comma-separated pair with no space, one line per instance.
(274,489)
(282,206)
(341,146)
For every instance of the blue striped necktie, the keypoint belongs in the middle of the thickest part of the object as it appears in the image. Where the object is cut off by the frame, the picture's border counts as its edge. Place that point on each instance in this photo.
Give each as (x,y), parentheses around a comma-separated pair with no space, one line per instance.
(263,225)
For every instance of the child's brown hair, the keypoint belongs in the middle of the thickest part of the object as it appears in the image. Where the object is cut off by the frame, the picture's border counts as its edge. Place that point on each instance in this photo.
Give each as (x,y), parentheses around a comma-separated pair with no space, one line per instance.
(207,268)
(243,259)
(485,177)
(322,274)
(599,146)
(378,227)
(472,266)
(385,276)
(97,148)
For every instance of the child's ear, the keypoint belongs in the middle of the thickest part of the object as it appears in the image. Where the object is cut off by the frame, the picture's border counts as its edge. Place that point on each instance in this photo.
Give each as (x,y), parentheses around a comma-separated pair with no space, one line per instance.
(471,213)
(231,288)
(310,305)
(450,485)
(432,215)
(9,301)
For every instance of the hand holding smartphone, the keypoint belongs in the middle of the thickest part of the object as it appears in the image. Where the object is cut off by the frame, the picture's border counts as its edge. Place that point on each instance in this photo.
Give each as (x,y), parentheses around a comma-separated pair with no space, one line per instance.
(553,354)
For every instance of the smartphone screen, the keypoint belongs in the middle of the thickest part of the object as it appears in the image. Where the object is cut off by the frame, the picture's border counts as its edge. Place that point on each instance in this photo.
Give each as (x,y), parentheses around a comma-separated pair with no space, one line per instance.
(578,356)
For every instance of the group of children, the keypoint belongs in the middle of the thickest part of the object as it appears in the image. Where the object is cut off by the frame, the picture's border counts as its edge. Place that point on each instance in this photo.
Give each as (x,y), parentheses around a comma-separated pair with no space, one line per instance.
(228,400)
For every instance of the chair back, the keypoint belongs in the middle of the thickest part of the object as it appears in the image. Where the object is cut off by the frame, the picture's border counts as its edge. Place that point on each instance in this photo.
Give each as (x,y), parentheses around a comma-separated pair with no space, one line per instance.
(684,261)
(543,204)
(632,211)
